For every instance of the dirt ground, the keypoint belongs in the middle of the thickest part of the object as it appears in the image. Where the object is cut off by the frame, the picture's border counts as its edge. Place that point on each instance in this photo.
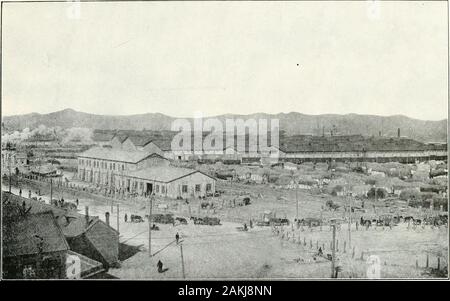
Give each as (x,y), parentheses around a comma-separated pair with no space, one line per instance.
(224,251)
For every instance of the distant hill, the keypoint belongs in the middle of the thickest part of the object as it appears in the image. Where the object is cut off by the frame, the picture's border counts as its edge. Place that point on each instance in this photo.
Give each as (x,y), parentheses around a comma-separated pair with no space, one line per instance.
(291,123)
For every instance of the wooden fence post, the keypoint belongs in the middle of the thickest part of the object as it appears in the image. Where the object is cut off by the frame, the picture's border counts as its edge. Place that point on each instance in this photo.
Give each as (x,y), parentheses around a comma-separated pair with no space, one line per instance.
(345,245)
(427,262)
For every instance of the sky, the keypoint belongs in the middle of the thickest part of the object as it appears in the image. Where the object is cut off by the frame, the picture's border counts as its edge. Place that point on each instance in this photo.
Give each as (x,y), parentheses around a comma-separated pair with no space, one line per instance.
(179,59)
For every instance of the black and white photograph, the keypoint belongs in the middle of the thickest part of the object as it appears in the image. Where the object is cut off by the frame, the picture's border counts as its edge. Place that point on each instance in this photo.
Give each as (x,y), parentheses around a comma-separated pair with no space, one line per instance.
(224,140)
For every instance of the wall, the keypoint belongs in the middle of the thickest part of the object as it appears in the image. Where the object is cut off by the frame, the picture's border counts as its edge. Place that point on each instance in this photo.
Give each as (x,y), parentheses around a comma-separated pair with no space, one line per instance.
(174,189)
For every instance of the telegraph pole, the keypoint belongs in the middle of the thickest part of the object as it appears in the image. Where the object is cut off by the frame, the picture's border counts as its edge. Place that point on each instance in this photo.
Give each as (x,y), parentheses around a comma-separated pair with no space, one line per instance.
(9,167)
(333,252)
(182,261)
(150,227)
(350,225)
(296,200)
(51,190)
(117,217)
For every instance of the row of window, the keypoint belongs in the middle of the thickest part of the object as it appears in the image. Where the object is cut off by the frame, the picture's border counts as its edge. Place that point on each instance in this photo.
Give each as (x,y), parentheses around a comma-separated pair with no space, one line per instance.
(198,188)
(101,164)
(162,188)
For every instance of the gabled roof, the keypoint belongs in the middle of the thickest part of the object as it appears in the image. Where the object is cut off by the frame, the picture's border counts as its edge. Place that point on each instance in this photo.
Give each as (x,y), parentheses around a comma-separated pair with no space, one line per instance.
(121,138)
(139,140)
(71,223)
(102,137)
(164,174)
(24,235)
(118,155)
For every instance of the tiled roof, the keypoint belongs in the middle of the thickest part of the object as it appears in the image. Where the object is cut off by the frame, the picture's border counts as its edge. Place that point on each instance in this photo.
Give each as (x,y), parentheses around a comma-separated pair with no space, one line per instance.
(23,234)
(164,174)
(115,155)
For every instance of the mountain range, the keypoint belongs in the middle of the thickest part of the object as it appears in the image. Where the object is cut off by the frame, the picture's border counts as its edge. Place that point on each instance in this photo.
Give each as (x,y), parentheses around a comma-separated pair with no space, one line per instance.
(291,123)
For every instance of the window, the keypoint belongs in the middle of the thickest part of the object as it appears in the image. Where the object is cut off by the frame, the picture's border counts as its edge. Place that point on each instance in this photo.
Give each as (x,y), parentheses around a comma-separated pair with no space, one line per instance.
(197,188)
(114,165)
(163,189)
(123,166)
(184,189)
(157,188)
(208,187)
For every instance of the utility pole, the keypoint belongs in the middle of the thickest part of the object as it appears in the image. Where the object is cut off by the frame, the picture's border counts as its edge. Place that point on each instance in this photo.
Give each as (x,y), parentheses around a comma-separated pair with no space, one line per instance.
(9,167)
(296,200)
(51,191)
(333,252)
(117,217)
(350,225)
(150,227)
(182,261)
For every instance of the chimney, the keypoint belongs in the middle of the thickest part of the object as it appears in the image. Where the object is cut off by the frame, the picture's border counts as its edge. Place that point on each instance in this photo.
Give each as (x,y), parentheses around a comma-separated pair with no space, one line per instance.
(86,214)
(398,132)
(107,218)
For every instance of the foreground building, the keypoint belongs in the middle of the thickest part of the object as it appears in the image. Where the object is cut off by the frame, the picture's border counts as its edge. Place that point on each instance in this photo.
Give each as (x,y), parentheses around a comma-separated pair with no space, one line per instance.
(105,166)
(171,182)
(85,235)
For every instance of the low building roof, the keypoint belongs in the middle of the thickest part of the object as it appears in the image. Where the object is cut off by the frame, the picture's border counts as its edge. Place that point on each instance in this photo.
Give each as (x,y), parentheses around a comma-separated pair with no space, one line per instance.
(24,234)
(118,155)
(102,137)
(163,174)
(139,140)
(71,223)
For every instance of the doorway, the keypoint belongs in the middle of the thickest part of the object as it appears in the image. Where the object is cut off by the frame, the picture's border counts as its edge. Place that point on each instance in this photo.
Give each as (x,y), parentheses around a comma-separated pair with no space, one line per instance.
(149,188)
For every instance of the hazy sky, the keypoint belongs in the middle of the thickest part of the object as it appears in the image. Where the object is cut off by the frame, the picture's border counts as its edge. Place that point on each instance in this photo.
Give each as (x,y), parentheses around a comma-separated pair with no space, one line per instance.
(241,57)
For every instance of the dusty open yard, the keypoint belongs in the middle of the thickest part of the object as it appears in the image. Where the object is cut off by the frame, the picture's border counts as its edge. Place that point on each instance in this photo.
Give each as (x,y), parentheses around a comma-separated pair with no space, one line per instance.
(225,252)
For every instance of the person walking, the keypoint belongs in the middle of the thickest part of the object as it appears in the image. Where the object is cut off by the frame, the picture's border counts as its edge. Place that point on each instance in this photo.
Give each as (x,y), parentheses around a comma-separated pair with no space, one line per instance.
(126,217)
(20,192)
(77,202)
(160,266)
(177,237)
(29,194)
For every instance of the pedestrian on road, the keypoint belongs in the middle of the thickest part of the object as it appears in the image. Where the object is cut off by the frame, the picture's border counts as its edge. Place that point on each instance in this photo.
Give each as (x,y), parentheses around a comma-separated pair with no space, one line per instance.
(77,202)
(160,266)
(20,192)
(177,237)
(251,224)
(29,194)
(126,217)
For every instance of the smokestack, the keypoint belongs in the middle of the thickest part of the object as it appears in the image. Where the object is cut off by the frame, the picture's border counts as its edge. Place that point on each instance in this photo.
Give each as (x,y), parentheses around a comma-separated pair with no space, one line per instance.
(86,214)
(379,133)
(398,132)
(107,218)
